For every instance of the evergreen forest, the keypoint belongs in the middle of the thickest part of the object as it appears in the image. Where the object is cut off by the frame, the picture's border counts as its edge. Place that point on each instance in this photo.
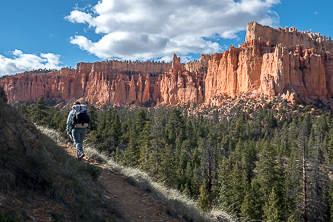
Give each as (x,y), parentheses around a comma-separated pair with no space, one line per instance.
(258,164)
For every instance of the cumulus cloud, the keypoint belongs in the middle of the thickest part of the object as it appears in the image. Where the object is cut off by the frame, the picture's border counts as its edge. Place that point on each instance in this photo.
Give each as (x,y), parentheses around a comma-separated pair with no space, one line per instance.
(22,62)
(147,29)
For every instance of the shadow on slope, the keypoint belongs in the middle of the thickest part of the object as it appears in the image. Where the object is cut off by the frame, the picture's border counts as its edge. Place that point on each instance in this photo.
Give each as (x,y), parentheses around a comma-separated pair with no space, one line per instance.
(39,181)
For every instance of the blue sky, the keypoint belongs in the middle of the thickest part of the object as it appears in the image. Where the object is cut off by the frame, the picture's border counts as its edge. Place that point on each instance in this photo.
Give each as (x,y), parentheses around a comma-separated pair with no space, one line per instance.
(61,33)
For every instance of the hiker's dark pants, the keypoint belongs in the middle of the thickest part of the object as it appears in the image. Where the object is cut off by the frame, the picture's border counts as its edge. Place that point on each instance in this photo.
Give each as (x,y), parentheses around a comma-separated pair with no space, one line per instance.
(79,135)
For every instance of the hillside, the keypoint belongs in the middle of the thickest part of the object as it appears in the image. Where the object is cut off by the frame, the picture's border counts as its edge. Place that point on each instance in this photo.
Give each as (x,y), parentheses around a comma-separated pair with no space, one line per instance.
(124,195)
(251,158)
(41,180)
(247,131)
(270,62)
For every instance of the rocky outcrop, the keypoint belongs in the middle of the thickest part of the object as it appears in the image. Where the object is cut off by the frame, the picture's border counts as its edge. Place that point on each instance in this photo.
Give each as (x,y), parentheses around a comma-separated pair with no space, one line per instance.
(199,67)
(288,37)
(178,86)
(270,62)
(110,83)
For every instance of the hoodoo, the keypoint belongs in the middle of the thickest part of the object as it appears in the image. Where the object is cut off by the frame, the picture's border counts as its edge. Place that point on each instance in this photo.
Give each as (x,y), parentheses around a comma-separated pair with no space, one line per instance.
(272,61)
(269,62)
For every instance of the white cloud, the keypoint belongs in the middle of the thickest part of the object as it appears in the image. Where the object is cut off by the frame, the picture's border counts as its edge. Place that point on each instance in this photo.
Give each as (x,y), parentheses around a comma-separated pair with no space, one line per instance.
(25,62)
(148,29)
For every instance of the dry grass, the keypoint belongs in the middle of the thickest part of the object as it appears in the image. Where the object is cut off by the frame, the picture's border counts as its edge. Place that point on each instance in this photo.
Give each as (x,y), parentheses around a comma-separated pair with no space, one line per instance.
(179,204)
(39,181)
(74,183)
(51,133)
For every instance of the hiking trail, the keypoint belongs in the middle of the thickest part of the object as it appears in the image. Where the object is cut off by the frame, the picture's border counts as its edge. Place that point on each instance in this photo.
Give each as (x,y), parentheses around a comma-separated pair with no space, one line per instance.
(133,203)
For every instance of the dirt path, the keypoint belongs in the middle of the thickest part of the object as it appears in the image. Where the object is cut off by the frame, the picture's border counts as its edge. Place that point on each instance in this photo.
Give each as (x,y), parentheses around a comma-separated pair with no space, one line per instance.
(133,203)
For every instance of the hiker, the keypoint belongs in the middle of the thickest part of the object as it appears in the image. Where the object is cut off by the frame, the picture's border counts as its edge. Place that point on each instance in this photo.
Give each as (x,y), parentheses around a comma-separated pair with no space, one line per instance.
(77,126)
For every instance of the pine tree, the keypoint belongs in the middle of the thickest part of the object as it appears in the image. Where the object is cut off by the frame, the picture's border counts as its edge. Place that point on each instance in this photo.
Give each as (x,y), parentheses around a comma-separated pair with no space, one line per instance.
(190,133)
(127,131)
(188,178)
(132,153)
(39,112)
(293,218)
(168,167)
(251,208)
(195,182)
(116,127)
(239,184)
(304,174)
(318,181)
(175,127)
(224,184)
(238,131)
(203,199)
(249,158)
(146,149)
(117,155)
(237,155)
(268,176)
(330,147)
(273,211)
(186,190)
(157,143)
(140,123)
(109,119)
(102,126)
(92,112)
(209,154)
(331,201)
(246,208)
(55,117)
(293,175)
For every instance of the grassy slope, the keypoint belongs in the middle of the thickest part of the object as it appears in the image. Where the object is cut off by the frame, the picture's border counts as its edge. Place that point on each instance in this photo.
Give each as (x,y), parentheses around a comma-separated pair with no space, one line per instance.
(39,181)
(178,203)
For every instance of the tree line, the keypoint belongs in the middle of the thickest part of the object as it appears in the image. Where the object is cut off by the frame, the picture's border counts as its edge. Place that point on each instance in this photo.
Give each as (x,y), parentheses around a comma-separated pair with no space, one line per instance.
(264,164)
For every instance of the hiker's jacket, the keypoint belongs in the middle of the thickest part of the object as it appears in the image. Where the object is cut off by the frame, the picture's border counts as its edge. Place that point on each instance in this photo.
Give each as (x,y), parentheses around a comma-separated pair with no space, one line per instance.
(69,121)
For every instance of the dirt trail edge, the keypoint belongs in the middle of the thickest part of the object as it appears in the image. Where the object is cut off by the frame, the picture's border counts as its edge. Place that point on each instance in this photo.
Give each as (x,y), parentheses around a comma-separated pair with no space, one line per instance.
(134,203)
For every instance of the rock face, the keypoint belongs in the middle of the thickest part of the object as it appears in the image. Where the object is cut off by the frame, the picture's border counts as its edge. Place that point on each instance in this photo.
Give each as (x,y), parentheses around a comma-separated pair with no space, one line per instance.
(270,61)
(178,86)
(110,83)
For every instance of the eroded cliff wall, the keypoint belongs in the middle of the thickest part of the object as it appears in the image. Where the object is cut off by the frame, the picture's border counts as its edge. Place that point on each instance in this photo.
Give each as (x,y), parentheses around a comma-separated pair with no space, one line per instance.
(269,62)
(272,61)
(110,83)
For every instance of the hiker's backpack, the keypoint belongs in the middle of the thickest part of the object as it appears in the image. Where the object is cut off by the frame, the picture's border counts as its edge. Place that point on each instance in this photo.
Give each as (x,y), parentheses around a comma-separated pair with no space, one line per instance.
(80,117)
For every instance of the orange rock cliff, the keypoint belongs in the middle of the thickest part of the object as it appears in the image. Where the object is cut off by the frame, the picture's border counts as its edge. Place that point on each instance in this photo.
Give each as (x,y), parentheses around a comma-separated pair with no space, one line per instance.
(269,62)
